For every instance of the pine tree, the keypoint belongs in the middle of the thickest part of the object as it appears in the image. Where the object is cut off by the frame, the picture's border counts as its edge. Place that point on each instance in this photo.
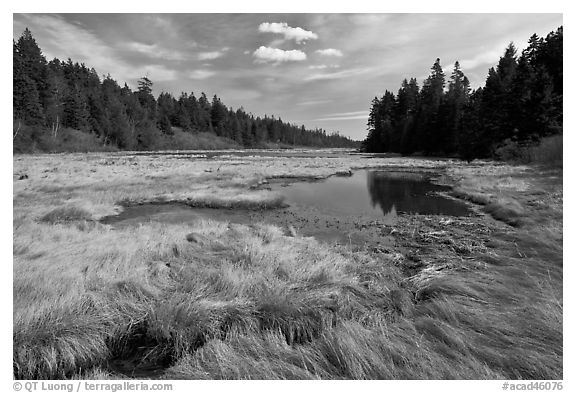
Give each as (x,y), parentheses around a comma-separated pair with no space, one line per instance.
(27,70)
(236,131)
(147,134)
(380,128)
(27,102)
(55,94)
(75,113)
(497,101)
(386,121)
(204,114)
(431,95)
(218,116)
(456,98)
(145,97)
(471,144)
(166,112)
(32,62)
(247,134)
(183,115)
(120,132)
(405,108)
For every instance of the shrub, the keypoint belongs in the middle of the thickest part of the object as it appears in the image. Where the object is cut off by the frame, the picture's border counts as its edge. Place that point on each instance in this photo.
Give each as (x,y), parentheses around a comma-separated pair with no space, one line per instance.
(510,151)
(548,151)
(33,139)
(181,140)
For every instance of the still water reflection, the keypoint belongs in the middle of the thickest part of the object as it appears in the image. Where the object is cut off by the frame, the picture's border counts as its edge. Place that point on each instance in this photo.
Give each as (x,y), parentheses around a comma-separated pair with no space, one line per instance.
(375,193)
(327,209)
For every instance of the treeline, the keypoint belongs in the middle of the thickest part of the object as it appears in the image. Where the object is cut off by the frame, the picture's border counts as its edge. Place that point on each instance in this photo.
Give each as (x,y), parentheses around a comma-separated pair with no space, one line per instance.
(51,96)
(520,103)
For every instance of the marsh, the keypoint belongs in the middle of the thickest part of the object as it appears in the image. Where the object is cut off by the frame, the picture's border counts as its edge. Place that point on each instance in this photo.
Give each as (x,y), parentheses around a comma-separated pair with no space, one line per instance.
(425,295)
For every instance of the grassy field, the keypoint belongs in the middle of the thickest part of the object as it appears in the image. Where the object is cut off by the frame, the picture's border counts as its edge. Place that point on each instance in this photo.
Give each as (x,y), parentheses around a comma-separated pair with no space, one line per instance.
(454,298)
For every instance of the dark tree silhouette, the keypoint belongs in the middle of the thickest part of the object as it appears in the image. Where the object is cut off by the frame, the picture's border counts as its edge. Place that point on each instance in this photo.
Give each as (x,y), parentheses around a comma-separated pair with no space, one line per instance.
(50,95)
(520,102)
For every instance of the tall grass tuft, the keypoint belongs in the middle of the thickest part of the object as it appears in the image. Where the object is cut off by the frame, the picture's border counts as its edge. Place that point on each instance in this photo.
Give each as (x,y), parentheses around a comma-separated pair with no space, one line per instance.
(66,214)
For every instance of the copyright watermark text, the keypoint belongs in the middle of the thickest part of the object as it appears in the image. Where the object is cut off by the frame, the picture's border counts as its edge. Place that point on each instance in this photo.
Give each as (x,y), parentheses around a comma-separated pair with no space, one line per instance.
(87,386)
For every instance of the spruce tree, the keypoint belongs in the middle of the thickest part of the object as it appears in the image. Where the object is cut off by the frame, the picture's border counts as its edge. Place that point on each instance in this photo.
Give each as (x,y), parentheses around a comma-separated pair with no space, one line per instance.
(32,62)
(456,98)
(145,97)
(431,95)
(28,74)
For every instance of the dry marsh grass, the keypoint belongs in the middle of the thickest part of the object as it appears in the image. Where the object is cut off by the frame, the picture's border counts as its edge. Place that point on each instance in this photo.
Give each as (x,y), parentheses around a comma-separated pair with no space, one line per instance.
(66,214)
(465,298)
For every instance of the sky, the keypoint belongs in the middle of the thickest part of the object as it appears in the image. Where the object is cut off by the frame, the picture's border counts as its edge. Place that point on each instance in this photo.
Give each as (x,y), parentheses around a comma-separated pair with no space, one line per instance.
(320,70)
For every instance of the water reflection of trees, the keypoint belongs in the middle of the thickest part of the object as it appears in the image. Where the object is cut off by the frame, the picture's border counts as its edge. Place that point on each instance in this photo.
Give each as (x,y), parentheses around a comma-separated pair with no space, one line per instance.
(408,193)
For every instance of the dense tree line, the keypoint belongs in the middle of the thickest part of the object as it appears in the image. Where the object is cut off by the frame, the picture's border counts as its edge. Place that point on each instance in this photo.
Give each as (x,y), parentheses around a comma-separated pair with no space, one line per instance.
(521,102)
(55,95)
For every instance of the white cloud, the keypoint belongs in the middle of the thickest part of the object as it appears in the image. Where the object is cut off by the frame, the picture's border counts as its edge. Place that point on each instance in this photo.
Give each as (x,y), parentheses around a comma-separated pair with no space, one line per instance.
(363,112)
(313,102)
(330,52)
(211,55)
(345,116)
(487,58)
(274,55)
(154,51)
(358,117)
(337,75)
(239,96)
(323,66)
(201,74)
(297,34)
(158,73)
(369,19)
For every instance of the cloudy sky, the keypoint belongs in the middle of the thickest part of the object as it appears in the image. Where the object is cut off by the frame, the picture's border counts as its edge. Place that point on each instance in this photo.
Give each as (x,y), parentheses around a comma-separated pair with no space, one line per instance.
(320,70)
